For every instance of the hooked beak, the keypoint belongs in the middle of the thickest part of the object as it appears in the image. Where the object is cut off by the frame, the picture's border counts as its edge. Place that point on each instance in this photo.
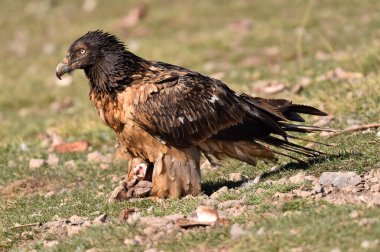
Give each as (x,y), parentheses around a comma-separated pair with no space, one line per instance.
(62,68)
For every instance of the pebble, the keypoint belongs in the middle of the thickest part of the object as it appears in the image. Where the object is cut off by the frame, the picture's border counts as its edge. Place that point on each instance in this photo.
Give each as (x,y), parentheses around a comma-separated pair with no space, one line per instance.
(340,179)
(131,242)
(36,163)
(101,218)
(52,160)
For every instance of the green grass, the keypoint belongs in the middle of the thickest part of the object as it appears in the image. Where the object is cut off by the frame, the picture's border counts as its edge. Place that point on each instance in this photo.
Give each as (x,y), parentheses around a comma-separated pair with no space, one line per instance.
(196,35)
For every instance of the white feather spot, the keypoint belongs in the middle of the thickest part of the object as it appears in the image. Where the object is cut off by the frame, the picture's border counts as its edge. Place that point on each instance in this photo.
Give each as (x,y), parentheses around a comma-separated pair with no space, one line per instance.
(181,119)
(189,118)
(214,98)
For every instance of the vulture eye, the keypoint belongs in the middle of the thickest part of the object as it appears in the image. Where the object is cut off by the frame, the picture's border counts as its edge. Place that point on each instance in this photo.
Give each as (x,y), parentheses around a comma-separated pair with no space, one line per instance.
(82,51)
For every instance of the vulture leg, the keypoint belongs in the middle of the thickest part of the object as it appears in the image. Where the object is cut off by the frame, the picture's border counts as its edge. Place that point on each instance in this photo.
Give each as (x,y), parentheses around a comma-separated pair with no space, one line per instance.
(177,173)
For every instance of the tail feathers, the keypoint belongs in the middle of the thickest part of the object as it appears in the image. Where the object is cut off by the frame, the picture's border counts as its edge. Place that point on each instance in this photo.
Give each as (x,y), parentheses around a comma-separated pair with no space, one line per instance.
(246,151)
(283,109)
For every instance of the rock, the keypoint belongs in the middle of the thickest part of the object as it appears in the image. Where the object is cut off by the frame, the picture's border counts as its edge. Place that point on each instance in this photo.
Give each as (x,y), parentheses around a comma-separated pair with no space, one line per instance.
(76,220)
(219,192)
(340,179)
(140,192)
(236,176)
(72,230)
(260,231)
(52,160)
(237,231)
(369,244)
(77,146)
(144,184)
(206,214)
(119,193)
(149,231)
(151,250)
(131,242)
(131,183)
(36,163)
(101,218)
(49,194)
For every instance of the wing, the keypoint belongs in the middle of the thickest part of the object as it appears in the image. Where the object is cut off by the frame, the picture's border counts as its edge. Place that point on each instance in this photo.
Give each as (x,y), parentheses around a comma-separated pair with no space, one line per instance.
(188,108)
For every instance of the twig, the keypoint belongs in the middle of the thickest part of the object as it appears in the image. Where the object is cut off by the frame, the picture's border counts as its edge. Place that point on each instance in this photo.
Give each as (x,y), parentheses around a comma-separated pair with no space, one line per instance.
(26,225)
(355,129)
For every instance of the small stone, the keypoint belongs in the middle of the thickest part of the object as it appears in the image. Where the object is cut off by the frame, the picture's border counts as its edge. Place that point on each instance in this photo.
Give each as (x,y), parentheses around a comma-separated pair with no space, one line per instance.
(260,231)
(36,163)
(237,231)
(149,231)
(140,192)
(101,218)
(49,194)
(151,250)
(237,176)
(369,244)
(144,184)
(340,179)
(206,214)
(49,244)
(52,160)
(354,214)
(219,192)
(335,250)
(317,188)
(76,220)
(131,242)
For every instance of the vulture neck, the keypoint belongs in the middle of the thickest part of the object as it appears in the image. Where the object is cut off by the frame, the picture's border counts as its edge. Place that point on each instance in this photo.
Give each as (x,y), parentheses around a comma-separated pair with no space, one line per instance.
(114,72)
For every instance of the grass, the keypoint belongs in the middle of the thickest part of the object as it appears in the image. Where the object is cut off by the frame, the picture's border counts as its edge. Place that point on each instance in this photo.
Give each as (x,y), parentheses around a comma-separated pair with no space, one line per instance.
(283,43)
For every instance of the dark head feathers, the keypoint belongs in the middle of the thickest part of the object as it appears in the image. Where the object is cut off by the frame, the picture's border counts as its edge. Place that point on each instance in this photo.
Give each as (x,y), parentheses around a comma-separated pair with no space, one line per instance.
(100,40)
